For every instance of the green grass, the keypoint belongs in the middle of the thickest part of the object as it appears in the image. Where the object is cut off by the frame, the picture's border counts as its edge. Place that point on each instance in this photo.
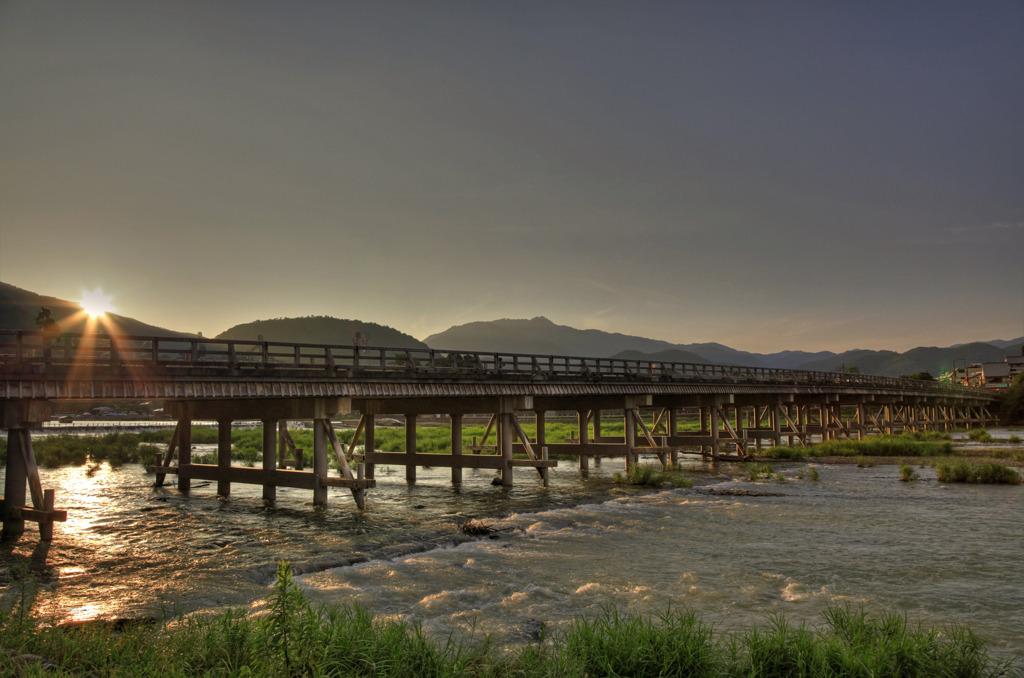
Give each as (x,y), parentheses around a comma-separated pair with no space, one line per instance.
(756,472)
(648,475)
(903,445)
(296,638)
(908,473)
(980,435)
(987,472)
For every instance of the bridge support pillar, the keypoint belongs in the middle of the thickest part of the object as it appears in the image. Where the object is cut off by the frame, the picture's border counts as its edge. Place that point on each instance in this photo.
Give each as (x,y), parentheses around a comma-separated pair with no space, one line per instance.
(457,449)
(630,430)
(583,426)
(224,456)
(21,472)
(184,453)
(714,426)
(505,438)
(320,427)
(410,447)
(369,443)
(15,481)
(269,457)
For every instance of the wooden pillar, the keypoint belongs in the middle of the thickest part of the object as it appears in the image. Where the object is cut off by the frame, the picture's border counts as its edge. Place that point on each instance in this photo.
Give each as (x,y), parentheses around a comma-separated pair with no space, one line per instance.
(506,449)
(184,452)
(15,482)
(46,526)
(282,444)
(713,424)
(224,456)
(269,457)
(630,430)
(826,419)
(584,429)
(410,447)
(320,461)
(457,449)
(775,421)
(673,429)
(369,443)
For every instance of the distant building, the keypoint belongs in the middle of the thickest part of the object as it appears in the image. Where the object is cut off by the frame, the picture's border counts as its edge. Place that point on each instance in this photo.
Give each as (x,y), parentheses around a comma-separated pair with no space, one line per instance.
(995,376)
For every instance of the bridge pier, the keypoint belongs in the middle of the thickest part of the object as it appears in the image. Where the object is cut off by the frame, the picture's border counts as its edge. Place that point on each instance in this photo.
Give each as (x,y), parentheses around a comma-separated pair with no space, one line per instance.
(21,472)
(224,456)
(269,458)
(272,413)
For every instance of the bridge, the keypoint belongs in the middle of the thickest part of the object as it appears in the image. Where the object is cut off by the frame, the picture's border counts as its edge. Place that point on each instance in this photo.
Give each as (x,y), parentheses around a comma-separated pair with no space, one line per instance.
(730,409)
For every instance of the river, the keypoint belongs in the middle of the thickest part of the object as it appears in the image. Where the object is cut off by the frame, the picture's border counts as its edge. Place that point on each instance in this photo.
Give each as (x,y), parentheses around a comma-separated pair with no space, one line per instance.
(733,550)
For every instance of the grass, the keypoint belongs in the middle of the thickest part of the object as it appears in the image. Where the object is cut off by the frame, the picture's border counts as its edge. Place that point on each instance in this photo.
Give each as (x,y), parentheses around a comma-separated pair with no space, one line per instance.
(756,472)
(908,473)
(987,472)
(297,639)
(910,444)
(648,475)
(980,435)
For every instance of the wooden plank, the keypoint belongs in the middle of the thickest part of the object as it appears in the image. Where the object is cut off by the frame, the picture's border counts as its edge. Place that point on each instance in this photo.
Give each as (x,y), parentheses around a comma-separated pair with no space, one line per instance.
(355,437)
(40,515)
(536,463)
(492,461)
(643,427)
(354,484)
(338,452)
(34,485)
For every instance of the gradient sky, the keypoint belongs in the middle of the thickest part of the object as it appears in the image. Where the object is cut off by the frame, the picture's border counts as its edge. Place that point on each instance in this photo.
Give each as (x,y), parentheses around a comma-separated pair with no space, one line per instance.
(780,175)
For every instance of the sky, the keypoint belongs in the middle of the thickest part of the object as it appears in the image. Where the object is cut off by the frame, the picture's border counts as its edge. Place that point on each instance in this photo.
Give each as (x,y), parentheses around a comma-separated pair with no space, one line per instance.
(787,175)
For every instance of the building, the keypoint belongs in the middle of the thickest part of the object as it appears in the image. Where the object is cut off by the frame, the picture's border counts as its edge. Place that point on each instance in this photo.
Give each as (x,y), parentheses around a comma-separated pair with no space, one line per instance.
(995,376)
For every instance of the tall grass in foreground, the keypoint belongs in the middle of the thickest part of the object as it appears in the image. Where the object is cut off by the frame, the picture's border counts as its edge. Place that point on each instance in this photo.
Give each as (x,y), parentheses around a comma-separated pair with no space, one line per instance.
(298,639)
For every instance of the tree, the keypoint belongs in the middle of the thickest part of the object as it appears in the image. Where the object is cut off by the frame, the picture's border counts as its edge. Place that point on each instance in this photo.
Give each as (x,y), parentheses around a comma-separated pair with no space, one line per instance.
(1011,405)
(920,376)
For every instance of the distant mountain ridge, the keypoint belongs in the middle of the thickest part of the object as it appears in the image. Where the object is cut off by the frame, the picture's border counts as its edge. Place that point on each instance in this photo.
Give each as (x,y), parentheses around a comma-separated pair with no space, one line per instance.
(18,310)
(320,329)
(541,336)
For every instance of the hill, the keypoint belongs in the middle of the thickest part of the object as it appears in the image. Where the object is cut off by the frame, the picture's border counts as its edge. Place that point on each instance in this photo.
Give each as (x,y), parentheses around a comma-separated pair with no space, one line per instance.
(320,330)
(930,359)
(541,336)
(19,308)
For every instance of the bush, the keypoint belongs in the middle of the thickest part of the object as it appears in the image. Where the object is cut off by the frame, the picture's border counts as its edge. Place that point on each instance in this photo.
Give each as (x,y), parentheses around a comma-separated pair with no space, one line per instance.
(988,472)
(979,435)
(907,473)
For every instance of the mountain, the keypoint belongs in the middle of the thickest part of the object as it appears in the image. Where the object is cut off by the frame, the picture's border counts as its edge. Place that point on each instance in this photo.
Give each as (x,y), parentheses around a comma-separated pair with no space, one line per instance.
(540,336)
(320,329)
(19,308)
(930,359)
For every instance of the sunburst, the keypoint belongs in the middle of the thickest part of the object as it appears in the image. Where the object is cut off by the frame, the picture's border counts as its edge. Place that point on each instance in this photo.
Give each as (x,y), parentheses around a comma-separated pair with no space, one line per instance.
(97,304)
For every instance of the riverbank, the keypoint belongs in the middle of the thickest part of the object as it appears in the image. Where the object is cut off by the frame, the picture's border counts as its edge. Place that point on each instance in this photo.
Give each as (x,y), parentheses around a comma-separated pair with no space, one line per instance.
(296,638)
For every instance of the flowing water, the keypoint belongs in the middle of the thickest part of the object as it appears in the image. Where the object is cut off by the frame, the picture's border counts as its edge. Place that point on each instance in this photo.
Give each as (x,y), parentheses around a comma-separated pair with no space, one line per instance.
(730,549)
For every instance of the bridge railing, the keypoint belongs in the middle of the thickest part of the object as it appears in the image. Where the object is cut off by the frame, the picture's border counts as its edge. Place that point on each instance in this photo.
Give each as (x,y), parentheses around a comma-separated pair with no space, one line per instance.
(42,353)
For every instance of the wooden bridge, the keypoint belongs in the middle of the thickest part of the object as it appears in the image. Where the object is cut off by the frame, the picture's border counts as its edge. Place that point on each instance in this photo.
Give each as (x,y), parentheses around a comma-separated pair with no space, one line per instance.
(734,408)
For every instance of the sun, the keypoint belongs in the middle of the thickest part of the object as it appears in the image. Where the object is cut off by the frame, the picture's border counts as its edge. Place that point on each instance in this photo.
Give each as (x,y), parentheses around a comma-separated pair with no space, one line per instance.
(97,304)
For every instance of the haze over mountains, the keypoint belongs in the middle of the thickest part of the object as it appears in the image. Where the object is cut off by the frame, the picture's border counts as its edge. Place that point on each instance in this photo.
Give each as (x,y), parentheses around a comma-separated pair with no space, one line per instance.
(18,309)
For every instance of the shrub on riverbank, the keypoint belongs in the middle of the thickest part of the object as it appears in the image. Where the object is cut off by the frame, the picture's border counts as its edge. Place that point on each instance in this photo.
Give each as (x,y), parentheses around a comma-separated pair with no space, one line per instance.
(987,472)
(910,444)
(296,638)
